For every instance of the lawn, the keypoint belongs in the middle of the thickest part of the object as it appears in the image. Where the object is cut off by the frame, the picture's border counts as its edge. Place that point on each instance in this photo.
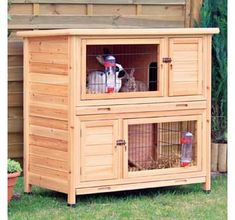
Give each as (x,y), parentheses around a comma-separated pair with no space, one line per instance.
(181,202)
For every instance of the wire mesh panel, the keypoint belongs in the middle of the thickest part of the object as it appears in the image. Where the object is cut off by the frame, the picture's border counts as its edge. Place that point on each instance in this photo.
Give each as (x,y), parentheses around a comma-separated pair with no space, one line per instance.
(136,68)
(161,145)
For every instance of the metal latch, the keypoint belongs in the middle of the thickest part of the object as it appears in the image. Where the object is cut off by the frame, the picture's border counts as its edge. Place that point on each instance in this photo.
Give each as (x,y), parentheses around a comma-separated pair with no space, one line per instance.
(166,60)
(121,142)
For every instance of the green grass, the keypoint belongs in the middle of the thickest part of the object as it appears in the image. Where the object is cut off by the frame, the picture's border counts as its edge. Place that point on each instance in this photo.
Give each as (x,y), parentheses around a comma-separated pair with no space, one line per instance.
(181,202)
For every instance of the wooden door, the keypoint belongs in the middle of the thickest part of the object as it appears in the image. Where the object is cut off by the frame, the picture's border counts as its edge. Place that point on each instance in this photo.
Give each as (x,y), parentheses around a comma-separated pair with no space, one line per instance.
(153,145)
(99,154)
(185,69)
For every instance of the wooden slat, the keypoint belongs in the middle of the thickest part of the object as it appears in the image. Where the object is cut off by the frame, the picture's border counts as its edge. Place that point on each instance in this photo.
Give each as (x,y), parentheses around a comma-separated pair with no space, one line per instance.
(48,182)
(15,99)
(49,89)
(54,113)
(15,150)
(49,78)
(49,45)
(52,99)
(15,48)
(15,138)
(48,122)
(14,87)
(15,112)
(55,22)
(15,60)
(44,171)
(98,160)
(167,2)
(51,58)
(99,139)
(61,165)
(92,150)
(48,132)
(48,143)
(15,125)
(15,73)
(58,69)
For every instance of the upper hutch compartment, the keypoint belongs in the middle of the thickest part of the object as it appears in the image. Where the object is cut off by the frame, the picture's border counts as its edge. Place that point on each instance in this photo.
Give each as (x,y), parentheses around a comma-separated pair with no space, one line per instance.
(150,65)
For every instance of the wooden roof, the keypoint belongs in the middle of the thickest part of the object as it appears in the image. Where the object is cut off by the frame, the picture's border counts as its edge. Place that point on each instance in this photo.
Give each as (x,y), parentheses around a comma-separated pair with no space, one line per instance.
(108,32)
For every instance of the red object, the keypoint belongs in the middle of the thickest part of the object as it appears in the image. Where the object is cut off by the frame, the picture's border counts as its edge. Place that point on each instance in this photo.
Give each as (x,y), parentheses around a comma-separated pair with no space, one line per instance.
(185,164)
(12,177)
(186,140)
(110,90)
(109,64)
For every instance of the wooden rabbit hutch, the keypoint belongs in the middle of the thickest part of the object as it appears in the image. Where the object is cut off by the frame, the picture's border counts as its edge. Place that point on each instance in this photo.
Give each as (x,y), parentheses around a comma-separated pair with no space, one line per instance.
(81,137)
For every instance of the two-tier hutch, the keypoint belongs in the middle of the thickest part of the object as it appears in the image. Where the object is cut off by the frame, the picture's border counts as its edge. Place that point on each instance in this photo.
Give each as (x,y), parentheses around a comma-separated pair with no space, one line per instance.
(81,138)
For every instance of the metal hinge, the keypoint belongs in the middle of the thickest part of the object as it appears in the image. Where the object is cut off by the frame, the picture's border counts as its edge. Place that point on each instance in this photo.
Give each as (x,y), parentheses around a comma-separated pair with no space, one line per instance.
(166,60)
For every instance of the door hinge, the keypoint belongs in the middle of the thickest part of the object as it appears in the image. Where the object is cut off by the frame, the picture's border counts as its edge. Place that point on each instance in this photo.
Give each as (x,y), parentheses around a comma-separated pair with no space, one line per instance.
(166,60)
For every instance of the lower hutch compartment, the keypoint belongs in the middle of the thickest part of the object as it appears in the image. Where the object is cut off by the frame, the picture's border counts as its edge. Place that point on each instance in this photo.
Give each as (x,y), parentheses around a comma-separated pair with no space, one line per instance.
(139,150)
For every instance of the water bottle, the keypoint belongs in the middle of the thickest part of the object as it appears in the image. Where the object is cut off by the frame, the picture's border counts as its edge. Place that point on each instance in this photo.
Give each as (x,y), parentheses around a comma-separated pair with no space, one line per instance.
(186,149)
(110,71)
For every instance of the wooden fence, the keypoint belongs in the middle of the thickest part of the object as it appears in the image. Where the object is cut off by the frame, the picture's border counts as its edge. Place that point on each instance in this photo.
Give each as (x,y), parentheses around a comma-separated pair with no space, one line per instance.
(51,14)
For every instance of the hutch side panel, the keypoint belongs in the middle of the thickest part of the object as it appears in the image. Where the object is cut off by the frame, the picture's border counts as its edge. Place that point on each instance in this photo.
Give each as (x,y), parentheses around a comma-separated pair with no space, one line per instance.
(47,118)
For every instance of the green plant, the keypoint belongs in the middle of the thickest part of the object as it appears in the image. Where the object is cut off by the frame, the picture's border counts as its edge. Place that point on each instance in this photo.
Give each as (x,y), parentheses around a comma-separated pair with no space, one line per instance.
(214,14)
(13,166)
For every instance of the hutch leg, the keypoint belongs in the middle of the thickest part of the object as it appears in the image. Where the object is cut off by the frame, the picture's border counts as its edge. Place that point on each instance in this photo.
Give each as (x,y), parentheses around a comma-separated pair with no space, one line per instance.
(207,185)
(27,188)
(71,199)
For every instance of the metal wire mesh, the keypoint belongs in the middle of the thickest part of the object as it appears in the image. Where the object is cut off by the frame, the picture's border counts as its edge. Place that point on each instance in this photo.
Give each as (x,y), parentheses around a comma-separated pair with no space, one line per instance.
(142,59)
(158,145)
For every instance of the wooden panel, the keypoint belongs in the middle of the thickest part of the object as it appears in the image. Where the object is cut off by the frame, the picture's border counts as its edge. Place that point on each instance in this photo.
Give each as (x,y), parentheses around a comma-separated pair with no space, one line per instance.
(105,1)
(54,113)
(15,99)
(61,165)
(45,57)
(48,172)
(48,122)
(49,78)
(48,182)
(49,68)
(48,143)
(49,45)
(99,156)
(15,73)
(76,22)
(48,89)
(48,132)
(15,150)
(185,76)
(50,99)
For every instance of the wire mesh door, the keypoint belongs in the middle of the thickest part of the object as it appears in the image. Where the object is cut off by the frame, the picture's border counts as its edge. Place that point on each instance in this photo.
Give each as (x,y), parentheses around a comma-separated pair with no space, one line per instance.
(162,145)
(121,70)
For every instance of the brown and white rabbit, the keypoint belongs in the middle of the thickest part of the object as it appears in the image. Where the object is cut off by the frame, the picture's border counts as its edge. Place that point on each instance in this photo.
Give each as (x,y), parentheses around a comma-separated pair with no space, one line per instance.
(132,85)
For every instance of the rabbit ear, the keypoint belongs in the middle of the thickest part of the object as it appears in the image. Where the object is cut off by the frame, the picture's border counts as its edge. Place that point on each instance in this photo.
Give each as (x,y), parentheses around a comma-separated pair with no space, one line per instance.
(100,59)
(132,71)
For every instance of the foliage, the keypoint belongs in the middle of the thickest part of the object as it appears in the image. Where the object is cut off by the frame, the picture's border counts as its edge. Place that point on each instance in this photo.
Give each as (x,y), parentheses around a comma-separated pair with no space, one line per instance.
(214,14)
(13,166)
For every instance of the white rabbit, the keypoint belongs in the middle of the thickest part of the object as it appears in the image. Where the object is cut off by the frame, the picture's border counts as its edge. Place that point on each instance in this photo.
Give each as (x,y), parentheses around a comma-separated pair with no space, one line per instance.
(115,81)
(132,85)
(96,82)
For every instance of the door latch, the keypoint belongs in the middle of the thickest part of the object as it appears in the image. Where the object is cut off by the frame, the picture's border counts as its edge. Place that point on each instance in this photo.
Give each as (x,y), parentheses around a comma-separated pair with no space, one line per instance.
(120,142)
(166,60)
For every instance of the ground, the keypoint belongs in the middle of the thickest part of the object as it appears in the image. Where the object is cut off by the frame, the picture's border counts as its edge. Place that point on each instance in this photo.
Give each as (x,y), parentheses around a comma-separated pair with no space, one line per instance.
(181,202)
